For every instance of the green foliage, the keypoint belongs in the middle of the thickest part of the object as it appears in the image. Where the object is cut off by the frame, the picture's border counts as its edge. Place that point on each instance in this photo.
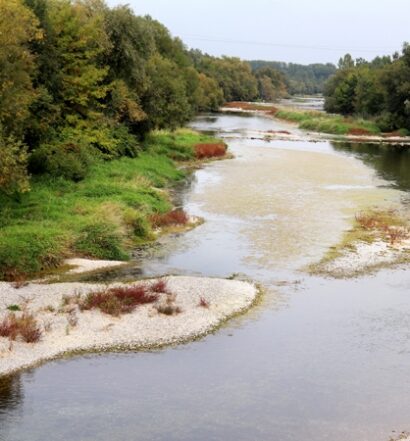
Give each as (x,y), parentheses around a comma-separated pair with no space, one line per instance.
(18,27)
(321,122)
(64,158)
(13,163)
(380,89)
(271,84)
(300,79)
(102,215)
(100,240)
(233,75)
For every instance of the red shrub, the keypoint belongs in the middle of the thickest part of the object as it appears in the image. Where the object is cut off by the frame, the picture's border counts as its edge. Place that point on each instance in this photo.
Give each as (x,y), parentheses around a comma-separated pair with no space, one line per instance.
(359,132)
(26,326)
(175,217)
(29,329)
(210,150)
(160,286)
(121,300)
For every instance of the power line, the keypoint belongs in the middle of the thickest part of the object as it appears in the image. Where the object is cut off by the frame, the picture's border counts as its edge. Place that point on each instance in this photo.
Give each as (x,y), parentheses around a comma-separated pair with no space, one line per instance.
(289,46)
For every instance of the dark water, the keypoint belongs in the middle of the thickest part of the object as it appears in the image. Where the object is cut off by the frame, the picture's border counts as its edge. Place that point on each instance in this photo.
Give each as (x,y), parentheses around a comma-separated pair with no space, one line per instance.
(319,360)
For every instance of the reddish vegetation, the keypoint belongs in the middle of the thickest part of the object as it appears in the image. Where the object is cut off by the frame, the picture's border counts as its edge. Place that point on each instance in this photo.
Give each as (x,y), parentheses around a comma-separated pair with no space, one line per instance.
(279,132)
(203,303)
(367,221)
(251,106)
(396,234)
(159,287)
(359,132)
(175,217)
(373,221)
(116,301)
(213,150)
(25,326)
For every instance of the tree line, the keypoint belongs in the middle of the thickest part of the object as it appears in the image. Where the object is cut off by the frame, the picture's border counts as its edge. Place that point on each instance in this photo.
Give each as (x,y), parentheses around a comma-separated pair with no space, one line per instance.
(300,79)
(379,89)
(80,80)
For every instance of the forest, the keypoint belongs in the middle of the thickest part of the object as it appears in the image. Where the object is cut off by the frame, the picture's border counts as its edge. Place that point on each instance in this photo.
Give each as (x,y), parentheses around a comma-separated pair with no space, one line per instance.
(81,81)
(377,89)
(300,79)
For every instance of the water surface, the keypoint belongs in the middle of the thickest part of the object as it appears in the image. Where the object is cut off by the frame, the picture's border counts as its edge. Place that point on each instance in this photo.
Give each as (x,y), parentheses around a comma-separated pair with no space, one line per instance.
(319,359)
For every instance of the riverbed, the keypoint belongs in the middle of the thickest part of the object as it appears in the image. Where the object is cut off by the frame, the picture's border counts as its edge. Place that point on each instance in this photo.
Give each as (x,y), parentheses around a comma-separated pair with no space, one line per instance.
(319,359)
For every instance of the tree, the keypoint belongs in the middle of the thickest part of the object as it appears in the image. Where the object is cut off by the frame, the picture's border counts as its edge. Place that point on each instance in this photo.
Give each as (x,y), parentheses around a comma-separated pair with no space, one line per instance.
(271,84)
(13,165)
(80,41)
(18,27)
(165,101)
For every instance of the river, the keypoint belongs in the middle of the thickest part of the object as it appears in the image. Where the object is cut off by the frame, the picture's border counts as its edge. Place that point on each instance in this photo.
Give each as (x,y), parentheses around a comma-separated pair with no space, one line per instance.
(319,359)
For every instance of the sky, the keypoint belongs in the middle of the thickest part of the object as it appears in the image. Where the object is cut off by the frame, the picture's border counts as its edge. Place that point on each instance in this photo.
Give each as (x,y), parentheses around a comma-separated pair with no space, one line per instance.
(299,31)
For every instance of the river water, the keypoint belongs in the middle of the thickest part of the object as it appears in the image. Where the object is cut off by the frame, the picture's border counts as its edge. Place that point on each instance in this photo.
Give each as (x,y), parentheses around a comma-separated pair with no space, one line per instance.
(319,359)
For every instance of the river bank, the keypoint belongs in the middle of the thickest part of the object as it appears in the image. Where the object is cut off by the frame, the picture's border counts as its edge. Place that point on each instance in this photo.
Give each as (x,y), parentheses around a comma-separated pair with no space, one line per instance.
(319,125)
(200,306)
(119,205)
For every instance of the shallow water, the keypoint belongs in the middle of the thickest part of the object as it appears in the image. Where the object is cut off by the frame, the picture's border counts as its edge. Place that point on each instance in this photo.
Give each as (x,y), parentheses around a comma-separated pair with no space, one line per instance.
(319,359)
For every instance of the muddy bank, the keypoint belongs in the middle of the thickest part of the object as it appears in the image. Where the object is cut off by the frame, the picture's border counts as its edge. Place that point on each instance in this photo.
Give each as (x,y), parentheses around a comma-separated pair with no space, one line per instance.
(66,330)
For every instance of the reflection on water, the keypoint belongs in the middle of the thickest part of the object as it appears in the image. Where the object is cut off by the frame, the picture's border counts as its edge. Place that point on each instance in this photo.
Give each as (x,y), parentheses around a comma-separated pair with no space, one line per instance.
(318,360)
(391,162)
(11,393)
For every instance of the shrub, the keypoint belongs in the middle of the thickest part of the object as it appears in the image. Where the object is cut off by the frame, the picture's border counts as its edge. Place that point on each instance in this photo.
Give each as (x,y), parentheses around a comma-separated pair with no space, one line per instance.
(100,240)
(25,326)
(121,300)
(13,166)
(67,159)
(159,287)
(175,217)
(203,151)
(139,224)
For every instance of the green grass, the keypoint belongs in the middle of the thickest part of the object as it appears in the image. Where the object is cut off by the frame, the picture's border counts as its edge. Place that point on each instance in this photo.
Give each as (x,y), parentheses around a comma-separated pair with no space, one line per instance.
(179,144)
(102,216)
(322,122)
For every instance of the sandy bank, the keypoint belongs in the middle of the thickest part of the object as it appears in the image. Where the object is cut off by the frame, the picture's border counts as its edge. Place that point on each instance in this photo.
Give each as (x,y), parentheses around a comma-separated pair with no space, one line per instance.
(94,331)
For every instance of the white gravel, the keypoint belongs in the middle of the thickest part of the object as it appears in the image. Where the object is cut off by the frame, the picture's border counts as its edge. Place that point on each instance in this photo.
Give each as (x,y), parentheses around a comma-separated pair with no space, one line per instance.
(364,256)
(85,265)
(95,331)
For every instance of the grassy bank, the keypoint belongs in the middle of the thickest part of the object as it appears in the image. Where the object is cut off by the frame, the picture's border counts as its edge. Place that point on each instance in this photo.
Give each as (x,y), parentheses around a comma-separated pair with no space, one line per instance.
(316,121)
(332,124)
(102,216)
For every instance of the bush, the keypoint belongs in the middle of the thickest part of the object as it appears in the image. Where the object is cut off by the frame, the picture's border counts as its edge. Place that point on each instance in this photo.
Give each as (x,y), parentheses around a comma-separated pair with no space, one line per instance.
(101,241)
(13,166)
(117,301)
(67,159)
(210,150)
(138,224)
(25,326)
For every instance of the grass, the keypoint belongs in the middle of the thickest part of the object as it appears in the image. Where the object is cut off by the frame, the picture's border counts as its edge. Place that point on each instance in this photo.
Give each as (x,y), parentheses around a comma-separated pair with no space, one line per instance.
(332,124)
(102,216)
(368,227)
(316,121)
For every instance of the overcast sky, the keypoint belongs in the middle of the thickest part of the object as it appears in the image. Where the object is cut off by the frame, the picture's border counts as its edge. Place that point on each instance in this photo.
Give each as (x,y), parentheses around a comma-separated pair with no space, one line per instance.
(299,31)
